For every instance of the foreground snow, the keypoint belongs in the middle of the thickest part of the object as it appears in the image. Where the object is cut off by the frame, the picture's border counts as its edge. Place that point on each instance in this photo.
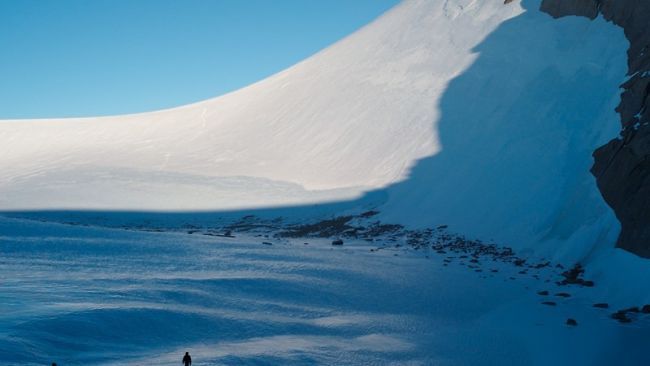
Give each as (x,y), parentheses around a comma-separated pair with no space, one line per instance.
(93,296)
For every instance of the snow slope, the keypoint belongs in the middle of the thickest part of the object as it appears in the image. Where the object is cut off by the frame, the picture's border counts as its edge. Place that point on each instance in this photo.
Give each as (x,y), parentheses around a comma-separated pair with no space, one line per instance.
(470,113)
(95,296)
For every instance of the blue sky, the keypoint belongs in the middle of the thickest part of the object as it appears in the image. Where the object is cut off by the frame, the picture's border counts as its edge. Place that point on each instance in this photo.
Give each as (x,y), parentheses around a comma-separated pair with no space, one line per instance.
(69,58)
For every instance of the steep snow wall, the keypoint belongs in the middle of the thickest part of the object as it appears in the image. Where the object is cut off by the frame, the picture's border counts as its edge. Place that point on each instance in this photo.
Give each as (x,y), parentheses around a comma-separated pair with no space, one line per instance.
(472,113)
(622,166)
(517,131)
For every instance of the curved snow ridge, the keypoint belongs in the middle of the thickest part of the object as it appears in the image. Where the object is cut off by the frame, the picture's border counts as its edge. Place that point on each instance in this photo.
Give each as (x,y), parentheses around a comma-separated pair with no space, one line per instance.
(355,116)
(475,114)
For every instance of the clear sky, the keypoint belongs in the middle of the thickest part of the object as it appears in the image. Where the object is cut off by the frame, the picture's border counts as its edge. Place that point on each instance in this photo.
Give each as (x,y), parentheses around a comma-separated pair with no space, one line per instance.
(68,58)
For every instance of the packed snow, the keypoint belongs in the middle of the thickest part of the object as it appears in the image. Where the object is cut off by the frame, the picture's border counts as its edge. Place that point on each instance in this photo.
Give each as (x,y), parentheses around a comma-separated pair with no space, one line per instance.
(479,114)
(472,114)
(95,296)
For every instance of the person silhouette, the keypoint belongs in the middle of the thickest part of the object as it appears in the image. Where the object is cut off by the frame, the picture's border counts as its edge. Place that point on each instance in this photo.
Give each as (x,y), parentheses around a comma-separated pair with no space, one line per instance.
(187,360)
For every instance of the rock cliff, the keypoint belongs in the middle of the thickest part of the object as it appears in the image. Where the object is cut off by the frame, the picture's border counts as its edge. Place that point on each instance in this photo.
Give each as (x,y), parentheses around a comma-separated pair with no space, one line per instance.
(622,166)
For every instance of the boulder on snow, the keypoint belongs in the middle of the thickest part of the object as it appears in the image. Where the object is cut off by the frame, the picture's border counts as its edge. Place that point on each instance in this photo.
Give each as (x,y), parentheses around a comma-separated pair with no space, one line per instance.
(645,309)
(337,242)
(621,316)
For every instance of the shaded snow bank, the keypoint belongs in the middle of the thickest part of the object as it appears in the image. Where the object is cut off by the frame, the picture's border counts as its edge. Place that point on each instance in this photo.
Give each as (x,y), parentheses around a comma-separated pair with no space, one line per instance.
(517,129)
(501,104)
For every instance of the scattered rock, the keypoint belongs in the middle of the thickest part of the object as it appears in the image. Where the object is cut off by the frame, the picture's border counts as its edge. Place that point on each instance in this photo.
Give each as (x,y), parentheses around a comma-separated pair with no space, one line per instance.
(601,305)
(573,277)
(549,303)
(542,265)
(563,294)
(368,214)
(621,316)
(337,242)
(543,293)
(645,309)
(519,262)
(571,322)
(267,243)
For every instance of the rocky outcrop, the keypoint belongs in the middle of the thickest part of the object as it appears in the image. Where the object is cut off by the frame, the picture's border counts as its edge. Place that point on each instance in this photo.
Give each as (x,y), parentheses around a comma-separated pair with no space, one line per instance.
(622,166)
(559,8)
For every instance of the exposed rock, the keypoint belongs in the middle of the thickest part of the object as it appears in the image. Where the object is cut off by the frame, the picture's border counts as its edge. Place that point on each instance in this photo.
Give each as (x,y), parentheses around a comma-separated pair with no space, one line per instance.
(571,322)
(645,309)
(573,277)
(634,309)
(337,242)
(621,316)
(543,293)
(558,8)
(601,305)
(622,166)
(368,214)
(588,283)
(519,262)
(549,303)
(563,294)
(542,265)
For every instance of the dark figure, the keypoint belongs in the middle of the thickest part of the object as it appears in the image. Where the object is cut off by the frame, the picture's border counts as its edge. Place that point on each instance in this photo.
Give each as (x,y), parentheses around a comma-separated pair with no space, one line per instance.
(53,363)
(187,360)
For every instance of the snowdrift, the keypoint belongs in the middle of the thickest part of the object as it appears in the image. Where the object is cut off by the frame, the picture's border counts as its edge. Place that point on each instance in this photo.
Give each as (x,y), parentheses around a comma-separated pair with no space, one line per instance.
(471,113)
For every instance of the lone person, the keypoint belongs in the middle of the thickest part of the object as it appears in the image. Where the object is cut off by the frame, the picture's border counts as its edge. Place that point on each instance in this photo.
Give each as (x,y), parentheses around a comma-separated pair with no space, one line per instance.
(187,360)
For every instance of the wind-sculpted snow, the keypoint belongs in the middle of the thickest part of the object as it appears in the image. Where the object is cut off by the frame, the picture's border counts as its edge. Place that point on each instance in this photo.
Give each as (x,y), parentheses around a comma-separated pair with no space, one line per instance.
(89,296)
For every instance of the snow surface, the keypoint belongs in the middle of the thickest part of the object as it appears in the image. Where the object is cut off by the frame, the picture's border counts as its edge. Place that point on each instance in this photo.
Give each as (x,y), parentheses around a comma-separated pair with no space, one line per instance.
(468,113)
(96,296)
(486,113)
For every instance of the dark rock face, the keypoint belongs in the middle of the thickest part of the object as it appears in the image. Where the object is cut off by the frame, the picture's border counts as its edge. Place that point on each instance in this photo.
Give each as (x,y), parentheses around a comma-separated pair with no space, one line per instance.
(559,8)
(622,166)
